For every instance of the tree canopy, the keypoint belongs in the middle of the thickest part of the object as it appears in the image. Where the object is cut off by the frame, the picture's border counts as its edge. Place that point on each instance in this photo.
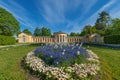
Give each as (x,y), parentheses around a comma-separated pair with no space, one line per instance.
(104,25)
(74,34)
(37,32)
(8,23)
(27,31)
(42,31)
(88,29)
(115,28)
(102,21)
(46,31)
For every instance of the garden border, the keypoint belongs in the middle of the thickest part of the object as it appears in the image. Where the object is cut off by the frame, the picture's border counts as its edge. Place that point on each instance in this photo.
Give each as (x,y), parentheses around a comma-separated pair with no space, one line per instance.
(82,70)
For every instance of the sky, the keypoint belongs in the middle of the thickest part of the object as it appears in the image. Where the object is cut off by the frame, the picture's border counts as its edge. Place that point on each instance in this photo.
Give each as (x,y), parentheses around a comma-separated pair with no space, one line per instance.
(59,15)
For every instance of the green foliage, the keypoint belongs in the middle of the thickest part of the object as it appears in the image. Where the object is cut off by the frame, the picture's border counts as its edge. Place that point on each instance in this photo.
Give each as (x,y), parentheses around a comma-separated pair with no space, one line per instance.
(42,32)
(74,34)
(103,21)
(46,31)
(7,40)
(88,29)
(27,31)
(115,28)
(8,24)
(37,32)
(112,39)
(116,23)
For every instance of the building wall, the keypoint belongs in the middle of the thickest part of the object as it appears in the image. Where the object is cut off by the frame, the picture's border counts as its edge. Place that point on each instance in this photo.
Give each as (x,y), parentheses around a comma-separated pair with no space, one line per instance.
(93,38)
(74,39)
(43,40)
(58,38)
(24,38)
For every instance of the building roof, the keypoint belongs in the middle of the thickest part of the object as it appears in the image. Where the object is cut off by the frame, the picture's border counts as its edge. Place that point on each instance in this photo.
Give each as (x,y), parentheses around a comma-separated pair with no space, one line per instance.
(60,32)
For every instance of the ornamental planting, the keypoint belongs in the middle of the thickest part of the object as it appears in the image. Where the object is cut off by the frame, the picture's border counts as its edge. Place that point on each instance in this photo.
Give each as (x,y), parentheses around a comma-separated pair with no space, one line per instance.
(63,62)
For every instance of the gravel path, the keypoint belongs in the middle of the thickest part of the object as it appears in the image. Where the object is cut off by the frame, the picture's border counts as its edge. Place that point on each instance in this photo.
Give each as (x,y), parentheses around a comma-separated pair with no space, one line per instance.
(14,45)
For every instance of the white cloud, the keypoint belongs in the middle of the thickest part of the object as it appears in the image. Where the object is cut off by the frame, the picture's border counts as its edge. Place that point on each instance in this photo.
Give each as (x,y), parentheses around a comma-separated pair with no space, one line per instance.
(54,11)
(115,11)
(18,11)
(92,18)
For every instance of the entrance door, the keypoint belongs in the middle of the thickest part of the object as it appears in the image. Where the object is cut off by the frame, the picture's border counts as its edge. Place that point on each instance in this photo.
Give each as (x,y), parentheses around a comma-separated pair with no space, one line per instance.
(24,39)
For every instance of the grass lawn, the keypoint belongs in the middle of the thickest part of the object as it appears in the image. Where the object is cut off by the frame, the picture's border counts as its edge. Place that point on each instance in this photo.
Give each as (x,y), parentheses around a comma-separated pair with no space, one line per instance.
(110,62)
(10,62)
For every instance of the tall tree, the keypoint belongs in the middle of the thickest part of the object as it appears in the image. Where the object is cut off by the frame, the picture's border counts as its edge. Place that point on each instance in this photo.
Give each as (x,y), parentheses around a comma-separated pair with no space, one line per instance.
(8,24)
(74,34)
(42,32)
(102,21)
(116,23)
(88,29)
(37,32)
(115,28)
(27,31)
(46,31)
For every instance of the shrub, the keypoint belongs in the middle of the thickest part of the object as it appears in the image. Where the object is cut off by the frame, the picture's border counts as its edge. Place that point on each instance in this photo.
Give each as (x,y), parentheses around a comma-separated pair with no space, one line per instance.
(7,40)
(112,39)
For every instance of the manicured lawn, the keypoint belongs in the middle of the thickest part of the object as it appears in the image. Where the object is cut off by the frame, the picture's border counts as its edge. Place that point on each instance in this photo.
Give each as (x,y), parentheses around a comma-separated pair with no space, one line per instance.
(10,62)
(110,62)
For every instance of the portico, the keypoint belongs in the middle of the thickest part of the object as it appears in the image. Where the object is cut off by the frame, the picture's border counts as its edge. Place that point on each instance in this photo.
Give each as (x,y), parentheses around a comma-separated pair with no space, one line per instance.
(60,37)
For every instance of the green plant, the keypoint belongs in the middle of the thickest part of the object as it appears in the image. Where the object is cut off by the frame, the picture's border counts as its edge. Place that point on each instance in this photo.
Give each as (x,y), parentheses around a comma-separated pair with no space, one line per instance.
(7,40)
(112,39)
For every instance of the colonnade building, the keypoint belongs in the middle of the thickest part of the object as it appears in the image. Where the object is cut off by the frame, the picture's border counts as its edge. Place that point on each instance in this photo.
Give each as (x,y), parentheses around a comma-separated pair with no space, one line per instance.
(58,37)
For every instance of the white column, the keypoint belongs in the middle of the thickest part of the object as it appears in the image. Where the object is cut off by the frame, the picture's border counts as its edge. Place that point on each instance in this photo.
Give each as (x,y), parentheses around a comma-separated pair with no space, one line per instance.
(63,38)
(59,39)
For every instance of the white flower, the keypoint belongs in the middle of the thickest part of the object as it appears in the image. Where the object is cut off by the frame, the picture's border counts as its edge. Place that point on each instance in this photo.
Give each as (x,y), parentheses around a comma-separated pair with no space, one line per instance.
(63,50)
(78,52)
(51,56)
(81,70)
(63,53)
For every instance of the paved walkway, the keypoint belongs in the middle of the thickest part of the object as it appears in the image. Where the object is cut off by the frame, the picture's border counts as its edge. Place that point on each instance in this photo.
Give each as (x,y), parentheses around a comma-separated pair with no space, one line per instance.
(14,45)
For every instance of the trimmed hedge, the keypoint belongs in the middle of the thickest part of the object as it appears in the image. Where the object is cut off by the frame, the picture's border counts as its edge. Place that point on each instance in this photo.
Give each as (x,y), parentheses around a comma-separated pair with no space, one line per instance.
(7,40)
(112,39)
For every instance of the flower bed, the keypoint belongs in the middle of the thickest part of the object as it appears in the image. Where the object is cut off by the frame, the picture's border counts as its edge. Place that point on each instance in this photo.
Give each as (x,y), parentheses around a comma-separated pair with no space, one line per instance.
(73,71)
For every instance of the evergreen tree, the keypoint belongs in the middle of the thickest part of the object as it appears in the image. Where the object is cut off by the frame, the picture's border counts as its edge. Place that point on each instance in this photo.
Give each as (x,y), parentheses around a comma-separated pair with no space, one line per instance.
(102,21)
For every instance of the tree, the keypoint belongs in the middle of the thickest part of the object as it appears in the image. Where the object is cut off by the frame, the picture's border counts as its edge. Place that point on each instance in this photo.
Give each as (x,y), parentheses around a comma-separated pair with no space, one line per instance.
(115,28)
(46,31)
(42,32)
(8,24)
(74,34)
(37,32)
(27,32)
(102,21)
(116,23)
(88,29)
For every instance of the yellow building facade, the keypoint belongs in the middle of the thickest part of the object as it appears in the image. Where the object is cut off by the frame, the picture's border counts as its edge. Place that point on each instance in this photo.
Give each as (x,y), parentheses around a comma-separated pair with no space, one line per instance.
(59,37)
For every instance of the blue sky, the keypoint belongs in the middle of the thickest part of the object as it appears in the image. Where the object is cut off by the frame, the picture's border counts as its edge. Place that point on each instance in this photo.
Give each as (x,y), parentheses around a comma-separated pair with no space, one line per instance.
(59,15)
